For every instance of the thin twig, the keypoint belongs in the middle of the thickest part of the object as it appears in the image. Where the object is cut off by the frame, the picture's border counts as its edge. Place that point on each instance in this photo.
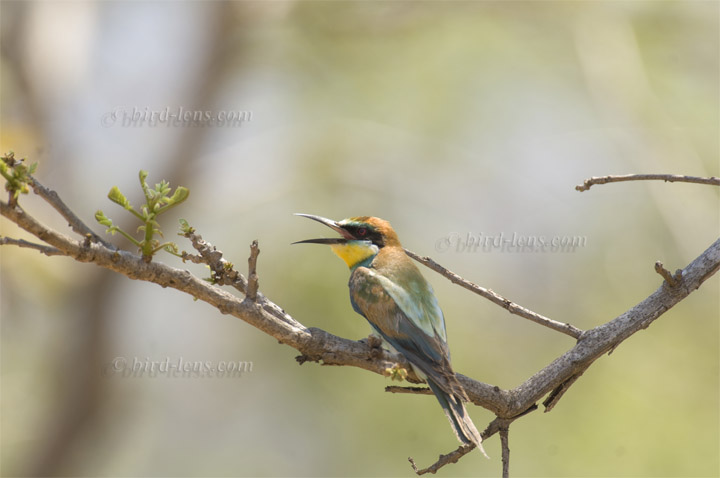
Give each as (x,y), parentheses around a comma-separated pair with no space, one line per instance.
(47,250)
(672,280)
(411,390)
(504,432)
(318,345)
(194,258)
(223,272)
(554,397)
(511,307)
(75,223)
(712,181)
(443,460)
(495,426)
(252,287)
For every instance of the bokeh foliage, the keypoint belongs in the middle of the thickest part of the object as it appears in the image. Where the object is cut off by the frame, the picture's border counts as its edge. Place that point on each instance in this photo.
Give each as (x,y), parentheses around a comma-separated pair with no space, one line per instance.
(442,117)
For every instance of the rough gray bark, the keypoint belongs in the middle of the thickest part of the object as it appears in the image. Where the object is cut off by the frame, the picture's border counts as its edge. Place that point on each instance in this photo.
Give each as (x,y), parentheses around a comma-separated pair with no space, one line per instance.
(319,346)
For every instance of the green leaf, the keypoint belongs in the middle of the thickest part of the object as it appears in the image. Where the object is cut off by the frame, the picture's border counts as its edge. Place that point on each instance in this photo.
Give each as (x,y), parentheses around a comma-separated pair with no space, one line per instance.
(157,200)
(180,194)
(16,174)
(103,219)
(118,198)
(185,228)
(162,188)
(143,184)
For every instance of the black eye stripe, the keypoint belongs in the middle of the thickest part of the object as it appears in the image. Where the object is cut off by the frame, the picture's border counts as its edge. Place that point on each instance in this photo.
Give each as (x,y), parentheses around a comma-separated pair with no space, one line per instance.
(366,233)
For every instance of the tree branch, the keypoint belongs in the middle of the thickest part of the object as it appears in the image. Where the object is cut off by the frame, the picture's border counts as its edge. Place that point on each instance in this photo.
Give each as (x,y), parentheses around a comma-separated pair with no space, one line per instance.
(75,223)
(443,460)
(320,346)
(511,307)
(504,432)
(410,390)
(252,288)
(713,181)
(672,280)
(495,426)
(222,271)
(554,397)
(47,250)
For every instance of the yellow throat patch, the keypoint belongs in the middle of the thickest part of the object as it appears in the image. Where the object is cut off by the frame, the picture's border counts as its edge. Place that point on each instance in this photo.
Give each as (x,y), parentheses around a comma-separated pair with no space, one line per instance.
(354,252)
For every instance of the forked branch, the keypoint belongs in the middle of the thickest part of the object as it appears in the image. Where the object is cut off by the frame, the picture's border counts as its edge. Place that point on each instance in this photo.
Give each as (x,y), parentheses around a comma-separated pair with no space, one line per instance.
(712,181)
(320,346)
(495,298)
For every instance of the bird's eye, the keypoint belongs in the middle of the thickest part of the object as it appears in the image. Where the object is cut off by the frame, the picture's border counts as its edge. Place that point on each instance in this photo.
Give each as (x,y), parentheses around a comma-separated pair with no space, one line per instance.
(361,232)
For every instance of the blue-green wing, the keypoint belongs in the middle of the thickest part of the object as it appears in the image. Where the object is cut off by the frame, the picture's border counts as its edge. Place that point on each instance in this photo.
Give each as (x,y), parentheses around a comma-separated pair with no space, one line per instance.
(417,301)
(415,328)
(412,324)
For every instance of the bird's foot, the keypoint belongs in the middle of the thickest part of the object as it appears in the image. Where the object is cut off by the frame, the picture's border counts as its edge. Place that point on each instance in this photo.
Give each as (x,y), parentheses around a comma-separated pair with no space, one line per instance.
(397,372)
(374,341)
(375,344)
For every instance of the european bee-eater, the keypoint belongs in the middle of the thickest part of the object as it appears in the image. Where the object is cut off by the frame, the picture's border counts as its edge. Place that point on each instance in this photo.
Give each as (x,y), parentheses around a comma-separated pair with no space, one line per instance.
(387,288)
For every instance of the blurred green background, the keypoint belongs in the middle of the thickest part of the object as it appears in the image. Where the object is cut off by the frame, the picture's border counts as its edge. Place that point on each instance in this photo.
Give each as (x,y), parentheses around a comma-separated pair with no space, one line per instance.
(444,118)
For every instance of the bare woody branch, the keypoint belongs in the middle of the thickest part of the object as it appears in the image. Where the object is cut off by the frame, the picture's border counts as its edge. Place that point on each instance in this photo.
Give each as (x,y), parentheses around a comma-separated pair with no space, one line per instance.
(672,280)
(47,250)
(504,443)
(252,288)
(443,460)
(511,307)
(557,393)
(316,344)
(320,346)
(222,271)
(495,426)
(410,390)
(75,223)
(712,181)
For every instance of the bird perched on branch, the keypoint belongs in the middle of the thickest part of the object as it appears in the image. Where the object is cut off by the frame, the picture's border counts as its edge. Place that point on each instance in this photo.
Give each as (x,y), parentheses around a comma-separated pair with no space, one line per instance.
(387,289)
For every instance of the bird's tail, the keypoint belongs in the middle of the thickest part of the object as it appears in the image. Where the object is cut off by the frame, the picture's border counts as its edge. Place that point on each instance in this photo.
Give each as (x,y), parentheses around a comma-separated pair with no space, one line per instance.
(461,423)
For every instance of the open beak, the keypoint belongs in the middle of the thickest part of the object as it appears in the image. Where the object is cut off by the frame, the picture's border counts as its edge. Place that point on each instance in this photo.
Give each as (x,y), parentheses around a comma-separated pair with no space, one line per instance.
(332,225)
